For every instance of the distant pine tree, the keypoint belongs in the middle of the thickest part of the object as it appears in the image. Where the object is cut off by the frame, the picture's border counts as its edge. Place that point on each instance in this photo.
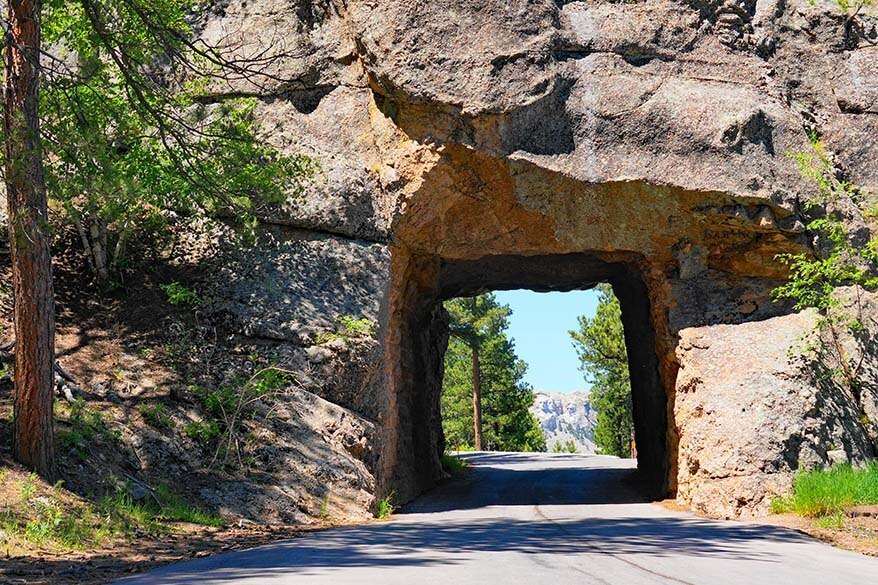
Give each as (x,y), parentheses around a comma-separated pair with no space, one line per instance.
(600,344)
(485,402)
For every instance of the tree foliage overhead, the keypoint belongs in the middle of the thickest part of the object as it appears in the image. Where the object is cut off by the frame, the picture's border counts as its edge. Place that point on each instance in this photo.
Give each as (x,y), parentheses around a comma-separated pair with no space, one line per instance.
(506,398)
(600,345)
(130,143)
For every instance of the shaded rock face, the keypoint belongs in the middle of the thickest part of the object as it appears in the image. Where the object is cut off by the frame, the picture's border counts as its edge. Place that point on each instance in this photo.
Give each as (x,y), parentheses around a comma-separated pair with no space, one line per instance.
(551,145)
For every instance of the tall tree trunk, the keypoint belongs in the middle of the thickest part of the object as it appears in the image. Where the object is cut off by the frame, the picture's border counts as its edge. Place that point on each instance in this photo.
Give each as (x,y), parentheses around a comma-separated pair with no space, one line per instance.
(33,435)
(477,400)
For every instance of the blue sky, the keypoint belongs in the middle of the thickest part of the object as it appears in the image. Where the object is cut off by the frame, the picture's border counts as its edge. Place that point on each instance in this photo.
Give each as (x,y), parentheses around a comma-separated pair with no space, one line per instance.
(539,325)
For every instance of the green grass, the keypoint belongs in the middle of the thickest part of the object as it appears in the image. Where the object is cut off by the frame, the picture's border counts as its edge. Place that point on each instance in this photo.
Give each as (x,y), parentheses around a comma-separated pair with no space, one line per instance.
(156,415)
(384,507)
(202,431)
(149,512)
(452,463)
(825,493)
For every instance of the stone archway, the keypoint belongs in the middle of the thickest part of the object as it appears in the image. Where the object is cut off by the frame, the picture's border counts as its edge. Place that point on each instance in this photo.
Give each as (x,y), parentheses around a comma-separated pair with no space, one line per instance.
(677,259)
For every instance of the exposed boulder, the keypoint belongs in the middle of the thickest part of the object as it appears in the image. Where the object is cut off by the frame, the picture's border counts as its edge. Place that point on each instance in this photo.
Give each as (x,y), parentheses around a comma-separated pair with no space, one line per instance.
(753,404)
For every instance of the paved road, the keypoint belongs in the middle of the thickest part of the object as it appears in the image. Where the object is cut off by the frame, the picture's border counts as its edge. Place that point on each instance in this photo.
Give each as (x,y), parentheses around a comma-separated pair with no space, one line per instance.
(536,519)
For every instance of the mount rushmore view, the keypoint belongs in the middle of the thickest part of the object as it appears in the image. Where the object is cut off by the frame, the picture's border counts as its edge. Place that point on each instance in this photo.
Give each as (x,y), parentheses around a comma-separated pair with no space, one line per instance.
(439,291)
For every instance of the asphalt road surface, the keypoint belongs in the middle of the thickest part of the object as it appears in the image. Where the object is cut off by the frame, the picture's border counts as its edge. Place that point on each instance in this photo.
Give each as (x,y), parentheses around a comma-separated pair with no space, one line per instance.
(536,519)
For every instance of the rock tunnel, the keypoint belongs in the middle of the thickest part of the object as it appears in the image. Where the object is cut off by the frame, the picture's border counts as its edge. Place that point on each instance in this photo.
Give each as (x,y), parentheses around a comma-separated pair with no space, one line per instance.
(468,146)
(678,260)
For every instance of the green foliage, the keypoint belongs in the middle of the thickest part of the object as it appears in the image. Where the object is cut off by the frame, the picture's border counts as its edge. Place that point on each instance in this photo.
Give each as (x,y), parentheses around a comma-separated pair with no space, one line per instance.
(178,294)
(229,405)
(384,507)
(217,401)
(147,513)
(131,148)
(600,345)
(854,7)
(156,415)
(357,327)
(567,447)
(202,431)
(349,327)
(85,425)
(452,464)
(821,492)
(508,424)
(813,280)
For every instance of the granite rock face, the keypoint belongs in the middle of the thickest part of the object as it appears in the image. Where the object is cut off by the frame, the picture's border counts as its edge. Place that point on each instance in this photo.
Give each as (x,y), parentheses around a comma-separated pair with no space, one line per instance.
(566,416)
(552,145)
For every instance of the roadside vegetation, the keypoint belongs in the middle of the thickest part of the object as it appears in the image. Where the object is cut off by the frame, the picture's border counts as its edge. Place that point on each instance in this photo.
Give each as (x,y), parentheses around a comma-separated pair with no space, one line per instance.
(452,464)
(34,514)
(822,493)
(566,447)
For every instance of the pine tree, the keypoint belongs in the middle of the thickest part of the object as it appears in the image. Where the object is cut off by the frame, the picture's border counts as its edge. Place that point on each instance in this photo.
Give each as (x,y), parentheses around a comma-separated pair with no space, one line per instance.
(484,399)
(600,345)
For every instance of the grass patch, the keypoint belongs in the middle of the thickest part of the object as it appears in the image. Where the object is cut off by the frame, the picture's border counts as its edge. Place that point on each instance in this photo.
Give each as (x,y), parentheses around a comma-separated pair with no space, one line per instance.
(453,464)
(52,519)
(384,507)
(156,415)
(823,493)
(85,425)
(202,431)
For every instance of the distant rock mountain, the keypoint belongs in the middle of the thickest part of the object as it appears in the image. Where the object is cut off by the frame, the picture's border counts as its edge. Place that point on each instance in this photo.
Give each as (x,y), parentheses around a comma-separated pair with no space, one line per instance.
(564,417)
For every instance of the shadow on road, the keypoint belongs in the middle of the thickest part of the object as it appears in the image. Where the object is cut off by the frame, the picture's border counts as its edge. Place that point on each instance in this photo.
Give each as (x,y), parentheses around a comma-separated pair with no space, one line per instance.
(496,482)
(403,544)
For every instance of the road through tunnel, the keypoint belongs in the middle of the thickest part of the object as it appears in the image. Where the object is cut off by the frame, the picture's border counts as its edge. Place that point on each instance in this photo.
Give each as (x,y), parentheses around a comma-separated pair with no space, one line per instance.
(425,339)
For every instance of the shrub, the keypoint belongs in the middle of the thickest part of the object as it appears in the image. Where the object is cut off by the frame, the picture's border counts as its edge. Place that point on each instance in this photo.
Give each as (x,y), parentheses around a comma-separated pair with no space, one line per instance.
(202,431)
(384,507)
(452,464)
(178,294)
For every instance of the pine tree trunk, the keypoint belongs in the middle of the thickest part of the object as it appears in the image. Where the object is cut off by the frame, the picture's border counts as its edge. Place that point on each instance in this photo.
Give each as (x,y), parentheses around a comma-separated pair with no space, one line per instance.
(33,435)
(477,400)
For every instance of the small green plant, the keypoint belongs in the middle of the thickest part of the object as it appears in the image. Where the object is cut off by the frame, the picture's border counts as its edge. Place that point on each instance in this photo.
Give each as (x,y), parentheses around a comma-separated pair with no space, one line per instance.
(85,425)
(453,464)
(356,327)
(231,404)
(178,294)
(349,327)
(853,7)
(28,488)
(826,492)
(384,507)
(202,431)
(156,415)
(173,507)
(324,507)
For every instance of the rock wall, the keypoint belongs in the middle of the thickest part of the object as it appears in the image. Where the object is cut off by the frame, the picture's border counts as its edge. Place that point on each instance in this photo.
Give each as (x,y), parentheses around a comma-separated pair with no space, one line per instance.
(645,142)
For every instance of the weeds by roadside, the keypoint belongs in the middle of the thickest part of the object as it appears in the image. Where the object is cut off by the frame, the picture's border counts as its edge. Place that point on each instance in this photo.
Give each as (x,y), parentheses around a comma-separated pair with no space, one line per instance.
(827,493)
(33,514)
(453,464)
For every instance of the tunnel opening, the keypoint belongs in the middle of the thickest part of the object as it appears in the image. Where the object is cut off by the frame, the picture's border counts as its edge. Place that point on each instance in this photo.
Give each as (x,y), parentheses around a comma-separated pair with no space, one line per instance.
(424,337)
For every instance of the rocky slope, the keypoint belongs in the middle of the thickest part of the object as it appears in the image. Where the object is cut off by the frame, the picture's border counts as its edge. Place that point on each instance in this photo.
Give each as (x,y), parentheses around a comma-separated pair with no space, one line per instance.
(566,416)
